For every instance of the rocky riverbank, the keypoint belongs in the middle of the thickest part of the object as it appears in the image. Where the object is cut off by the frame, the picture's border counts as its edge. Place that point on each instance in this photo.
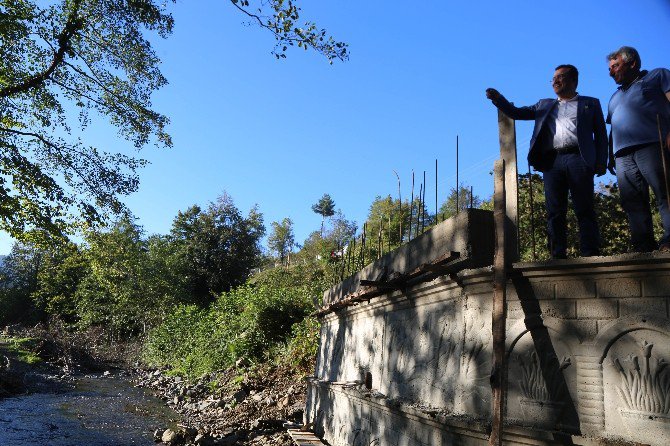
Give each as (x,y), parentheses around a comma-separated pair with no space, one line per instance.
(238,406)
(242,405)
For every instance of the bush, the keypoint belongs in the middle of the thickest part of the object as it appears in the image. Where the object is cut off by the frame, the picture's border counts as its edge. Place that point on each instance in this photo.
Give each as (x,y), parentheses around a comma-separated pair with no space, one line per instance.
(249,322)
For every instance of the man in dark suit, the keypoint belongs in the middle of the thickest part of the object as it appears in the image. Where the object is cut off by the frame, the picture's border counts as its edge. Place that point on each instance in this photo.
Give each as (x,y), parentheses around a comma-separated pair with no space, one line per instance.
(569,145)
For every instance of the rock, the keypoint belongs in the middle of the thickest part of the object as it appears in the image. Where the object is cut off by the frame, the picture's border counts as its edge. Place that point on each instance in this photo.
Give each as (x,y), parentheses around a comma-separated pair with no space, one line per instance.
(190,433)
(240,395)
(107,373)
(283,402)
(172,438)
(257,397)
(242,363)
(204,440)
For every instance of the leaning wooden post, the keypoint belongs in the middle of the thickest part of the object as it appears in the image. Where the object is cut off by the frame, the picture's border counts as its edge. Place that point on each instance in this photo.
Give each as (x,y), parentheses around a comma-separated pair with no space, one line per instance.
(499,370)
(507,134)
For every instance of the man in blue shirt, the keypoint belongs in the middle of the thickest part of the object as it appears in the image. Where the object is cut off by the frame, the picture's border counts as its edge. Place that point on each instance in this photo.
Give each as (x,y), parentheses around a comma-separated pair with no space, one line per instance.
(635,110)
(569,145)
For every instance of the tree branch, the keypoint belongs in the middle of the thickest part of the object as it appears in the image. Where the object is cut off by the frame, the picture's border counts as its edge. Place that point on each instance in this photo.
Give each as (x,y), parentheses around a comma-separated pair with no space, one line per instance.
(73,25)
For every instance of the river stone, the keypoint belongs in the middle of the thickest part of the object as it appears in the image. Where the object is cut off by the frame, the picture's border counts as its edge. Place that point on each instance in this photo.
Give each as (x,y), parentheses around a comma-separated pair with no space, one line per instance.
(240,395)
(204,440)
(172,438)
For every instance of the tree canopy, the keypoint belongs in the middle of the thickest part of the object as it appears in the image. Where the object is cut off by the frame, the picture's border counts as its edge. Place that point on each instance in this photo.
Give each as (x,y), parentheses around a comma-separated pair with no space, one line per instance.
(66,63)
(281,239)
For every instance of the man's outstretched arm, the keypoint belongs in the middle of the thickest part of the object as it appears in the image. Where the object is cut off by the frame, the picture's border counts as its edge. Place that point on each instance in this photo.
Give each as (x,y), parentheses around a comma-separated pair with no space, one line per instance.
(517,113)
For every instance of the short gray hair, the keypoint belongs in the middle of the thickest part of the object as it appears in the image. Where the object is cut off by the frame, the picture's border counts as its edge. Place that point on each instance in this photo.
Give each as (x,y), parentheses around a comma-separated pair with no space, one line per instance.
(627,53)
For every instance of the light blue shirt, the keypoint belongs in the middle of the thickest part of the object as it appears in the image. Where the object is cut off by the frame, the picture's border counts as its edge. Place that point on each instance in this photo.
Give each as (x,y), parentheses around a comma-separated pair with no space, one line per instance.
(632,111)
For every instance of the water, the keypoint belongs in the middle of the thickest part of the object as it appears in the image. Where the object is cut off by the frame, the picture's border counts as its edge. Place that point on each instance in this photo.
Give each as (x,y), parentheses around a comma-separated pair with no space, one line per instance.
(100,411)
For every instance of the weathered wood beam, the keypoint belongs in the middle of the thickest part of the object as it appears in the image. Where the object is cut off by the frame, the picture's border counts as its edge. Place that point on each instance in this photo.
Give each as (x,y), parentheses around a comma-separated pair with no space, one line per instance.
(507,136)
(499,370)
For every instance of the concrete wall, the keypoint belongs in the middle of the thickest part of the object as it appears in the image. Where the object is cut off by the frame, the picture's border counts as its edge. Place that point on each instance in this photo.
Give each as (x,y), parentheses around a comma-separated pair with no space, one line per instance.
(587,343)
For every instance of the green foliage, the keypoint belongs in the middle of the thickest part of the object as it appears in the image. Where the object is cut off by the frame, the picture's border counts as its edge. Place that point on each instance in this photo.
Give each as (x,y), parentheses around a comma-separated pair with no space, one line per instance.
(90,55)
(612,221)
(94,57)
(466,200)
(249,322)
(217,248)
(18,279)
(281,18)
(281,239)
(24,349)
(303,345)
(63,268)
(325,207)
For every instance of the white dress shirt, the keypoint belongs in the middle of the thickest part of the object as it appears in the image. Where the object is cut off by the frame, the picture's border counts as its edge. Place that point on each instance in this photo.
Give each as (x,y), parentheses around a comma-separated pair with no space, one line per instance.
(563,123)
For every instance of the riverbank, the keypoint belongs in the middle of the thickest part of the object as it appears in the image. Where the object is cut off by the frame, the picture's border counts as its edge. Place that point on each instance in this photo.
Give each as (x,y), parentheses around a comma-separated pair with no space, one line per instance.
(242,405)
(238,406)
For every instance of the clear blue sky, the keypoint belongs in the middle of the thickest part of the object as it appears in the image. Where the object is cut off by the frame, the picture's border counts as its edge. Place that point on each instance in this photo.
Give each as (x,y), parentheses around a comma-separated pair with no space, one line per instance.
(282,133)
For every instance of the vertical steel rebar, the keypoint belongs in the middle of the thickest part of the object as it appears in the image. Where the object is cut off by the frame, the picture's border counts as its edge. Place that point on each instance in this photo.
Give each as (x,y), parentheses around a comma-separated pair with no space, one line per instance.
(436,208)
(399,210)
(411,209)
(663,160)
(423,208)
(418,213)
(532,213)
(458,187)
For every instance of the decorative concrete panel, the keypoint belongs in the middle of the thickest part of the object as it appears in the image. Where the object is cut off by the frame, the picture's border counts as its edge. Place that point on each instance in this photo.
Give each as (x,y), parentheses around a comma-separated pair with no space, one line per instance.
(636,369)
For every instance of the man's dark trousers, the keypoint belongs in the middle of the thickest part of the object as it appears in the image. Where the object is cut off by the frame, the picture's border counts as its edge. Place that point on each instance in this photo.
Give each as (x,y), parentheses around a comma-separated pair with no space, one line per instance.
(570,173)
(636,170)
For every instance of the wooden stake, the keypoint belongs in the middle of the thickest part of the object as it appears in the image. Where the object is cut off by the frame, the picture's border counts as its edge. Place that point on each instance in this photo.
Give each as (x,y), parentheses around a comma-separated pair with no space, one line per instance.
(499,371)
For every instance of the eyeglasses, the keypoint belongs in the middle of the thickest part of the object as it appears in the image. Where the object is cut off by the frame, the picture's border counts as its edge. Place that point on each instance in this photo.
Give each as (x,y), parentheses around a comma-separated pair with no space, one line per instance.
(559,77)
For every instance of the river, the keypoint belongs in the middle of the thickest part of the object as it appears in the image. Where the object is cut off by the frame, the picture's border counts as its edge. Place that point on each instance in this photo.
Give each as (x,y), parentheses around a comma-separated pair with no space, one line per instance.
(99,411)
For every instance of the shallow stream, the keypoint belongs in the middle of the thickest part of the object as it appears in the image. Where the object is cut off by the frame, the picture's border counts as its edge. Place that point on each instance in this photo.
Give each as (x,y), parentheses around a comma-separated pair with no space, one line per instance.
(99,411)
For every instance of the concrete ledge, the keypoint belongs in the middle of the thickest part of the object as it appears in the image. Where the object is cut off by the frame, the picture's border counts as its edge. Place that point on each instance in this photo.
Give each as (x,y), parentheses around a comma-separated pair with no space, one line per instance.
(451,235)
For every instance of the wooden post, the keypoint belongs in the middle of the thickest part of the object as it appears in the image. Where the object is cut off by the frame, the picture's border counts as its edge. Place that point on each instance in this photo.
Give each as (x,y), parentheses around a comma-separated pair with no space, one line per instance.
(499,370)
(507,133)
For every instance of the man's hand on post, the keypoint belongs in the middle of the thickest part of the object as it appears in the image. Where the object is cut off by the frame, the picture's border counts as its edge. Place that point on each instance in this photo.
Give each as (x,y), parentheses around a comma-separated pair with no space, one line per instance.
(492,94)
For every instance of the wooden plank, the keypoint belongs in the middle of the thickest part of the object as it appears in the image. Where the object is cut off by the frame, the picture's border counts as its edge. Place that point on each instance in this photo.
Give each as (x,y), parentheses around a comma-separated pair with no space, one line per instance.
(507,136)
(304,438)
(499,371)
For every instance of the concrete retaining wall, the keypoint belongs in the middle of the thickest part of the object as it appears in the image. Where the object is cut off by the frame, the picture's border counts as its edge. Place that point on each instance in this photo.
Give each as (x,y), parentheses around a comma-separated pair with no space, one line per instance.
(587,341)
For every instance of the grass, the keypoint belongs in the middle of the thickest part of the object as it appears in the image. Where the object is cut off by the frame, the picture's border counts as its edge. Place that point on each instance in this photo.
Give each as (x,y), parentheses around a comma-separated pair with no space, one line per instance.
(22,349)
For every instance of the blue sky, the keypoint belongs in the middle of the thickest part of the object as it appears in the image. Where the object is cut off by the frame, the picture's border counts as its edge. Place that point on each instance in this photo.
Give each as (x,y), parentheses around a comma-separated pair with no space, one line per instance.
(282,133)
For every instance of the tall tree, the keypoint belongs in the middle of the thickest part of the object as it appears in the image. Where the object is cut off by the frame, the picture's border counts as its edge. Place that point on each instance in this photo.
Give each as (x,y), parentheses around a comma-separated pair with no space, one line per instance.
(325,207)
(218,247)
(281,239)
(466,199)
(93,57)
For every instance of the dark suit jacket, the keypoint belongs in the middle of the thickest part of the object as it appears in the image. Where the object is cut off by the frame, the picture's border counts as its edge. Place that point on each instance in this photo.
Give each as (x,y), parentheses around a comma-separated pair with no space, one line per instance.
(591,131)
